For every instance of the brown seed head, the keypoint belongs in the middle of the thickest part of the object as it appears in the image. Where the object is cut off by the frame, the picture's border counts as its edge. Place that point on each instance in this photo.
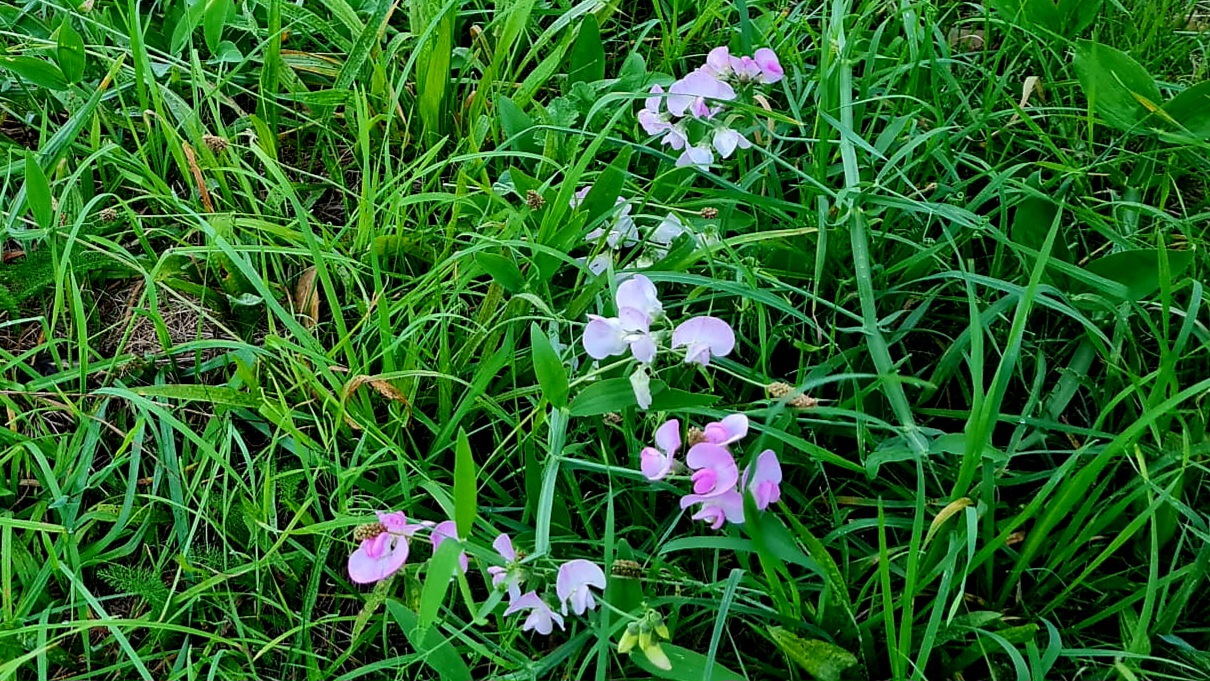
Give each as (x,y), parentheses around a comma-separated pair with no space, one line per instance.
(215,143)
(534,200)
(368,531)
(612,417)
(804,402)
(626,568)
(108,215)
(779,389)
(709,212)
(696,435)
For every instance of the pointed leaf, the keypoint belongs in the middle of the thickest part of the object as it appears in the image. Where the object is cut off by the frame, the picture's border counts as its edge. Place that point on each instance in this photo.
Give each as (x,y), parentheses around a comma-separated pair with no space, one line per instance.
(466,486)
(516,125)
(1115,84)
(1191,109)
(502,270)
(70,53)
(436,651)
(602,397)
(213,21)
(587,54)
(822,660)
(552,375)
(37,71)
(1139,271)
(686,665)
(37,192)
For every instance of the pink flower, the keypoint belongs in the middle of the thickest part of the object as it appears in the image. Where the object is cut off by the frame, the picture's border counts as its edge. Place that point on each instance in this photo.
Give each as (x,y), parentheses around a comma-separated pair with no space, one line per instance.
(384,554)
(715,469)
(507,575)
(573,582)
(698,155)
(718,63)
(705,337)
(728,507)
(746,70)
(651,118)
(766,480)
(694,92)
(725,141)
(731,429)
(541,617)
(770,68)
(449,530)
(637,305)
(656,462)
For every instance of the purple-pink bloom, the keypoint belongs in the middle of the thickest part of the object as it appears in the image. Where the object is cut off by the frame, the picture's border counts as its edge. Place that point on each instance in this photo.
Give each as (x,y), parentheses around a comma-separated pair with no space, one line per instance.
(770,68)
(651,118)
(541,617)
(506,575)
(637,305)
(714,469)
(695,89)
(448,530)
(728,507)
(705,337)
(731,429)
(656,462)
(718,63)
(573,582)
(638,292)
(745,69)
(698,155)
(383,555)
(765,482)
(725,141)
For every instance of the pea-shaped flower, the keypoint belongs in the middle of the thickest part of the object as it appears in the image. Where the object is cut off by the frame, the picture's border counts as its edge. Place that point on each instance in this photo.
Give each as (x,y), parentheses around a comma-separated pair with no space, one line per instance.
(383,550)
(638,304)
(657,462)
(573,585)
(703,338)
(541,618)
(726,507)
(731,429)
(507,575)
(765,480)
(714,469)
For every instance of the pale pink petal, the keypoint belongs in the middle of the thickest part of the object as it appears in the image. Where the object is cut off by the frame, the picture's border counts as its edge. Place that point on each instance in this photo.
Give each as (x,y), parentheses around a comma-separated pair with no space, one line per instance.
(638,292)
(652,103)
(643,348)
(378,558)
(705,337)
(604,337)
(525,602)
(694,85)
(668,230)
(654,464)
(653,123)
(731,429)
(699,155)
(725,140)
(676,138)
(573,581)
(504,546)
(718,62)
(770,68)
(668,436)
(633,322)
(745,68)
(397,523)
(766,480)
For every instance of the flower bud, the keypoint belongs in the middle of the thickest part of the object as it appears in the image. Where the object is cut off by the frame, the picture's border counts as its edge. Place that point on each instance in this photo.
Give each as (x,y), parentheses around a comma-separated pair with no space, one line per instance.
(629,639)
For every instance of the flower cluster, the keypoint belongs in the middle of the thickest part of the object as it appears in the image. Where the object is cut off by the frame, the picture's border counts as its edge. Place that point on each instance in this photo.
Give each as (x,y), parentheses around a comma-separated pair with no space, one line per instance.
(692,116)
(620,231)
(639,307)
(384,551)
(718,486)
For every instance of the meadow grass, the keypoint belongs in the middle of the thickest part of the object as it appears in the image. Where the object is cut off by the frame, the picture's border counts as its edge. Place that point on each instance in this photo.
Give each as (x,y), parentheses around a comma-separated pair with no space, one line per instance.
(271,267)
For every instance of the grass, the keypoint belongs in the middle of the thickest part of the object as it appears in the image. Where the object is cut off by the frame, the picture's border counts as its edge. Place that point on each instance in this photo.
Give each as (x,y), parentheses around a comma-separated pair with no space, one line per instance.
(270,267)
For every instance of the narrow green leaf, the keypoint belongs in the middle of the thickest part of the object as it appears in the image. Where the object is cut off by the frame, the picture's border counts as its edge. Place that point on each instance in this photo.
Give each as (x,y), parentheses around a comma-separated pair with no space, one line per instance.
(69,52)
(602,397)
(1114,83)
(502,270)
(437,583)
(552,375)
(822,660)
(587,54)
(185,26)
(214,394)
(466,486)
(437,652)
(1077,15)
(37,192)
(37,71)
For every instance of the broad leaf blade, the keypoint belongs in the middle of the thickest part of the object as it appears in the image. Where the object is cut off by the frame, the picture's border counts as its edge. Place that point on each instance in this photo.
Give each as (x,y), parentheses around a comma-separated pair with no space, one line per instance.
(69,52)
(438,652)
(37,192)
(1139,270)
(1191,109)
(587,54)
(1115,84)
(822,660)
